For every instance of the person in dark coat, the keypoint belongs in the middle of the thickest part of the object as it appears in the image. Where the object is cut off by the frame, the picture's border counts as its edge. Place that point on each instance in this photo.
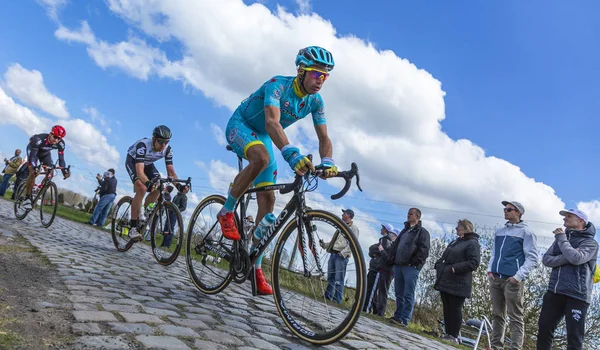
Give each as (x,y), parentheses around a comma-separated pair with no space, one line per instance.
(454,276)
(374,266)
(108,193)
(410,252)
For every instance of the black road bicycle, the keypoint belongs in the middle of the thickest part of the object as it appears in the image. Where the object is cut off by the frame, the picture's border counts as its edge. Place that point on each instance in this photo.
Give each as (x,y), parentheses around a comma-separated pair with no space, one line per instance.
(165,249)
(297,269)
(45,195)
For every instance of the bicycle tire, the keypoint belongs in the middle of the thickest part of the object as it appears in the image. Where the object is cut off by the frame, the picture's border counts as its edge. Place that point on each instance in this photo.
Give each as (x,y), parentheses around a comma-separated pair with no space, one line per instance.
(166,206)
(18,201)
(117,225)
(353,315)
(202,286)
(52,187)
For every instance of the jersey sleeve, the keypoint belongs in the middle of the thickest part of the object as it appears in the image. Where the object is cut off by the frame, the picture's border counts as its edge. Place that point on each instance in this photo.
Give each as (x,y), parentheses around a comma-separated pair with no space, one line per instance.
(33,149)
(140,152)
(318,111)
(273,92)
(169,156)
(61,153)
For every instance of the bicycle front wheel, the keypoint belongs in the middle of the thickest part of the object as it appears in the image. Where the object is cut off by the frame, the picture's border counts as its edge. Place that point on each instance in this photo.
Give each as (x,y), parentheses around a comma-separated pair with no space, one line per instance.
(206,249)
(120,225)
(166,233)
(320,303)
(48,204)
(20,212)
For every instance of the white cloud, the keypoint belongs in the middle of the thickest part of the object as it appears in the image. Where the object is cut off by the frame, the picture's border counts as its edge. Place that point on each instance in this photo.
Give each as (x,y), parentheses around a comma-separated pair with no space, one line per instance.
(592,209)
(218,134)
(83,139)
(28,86)
(388,121)
(23,117)
(304,6)
(89,144)
(52,7)
(83,35)
(98,117)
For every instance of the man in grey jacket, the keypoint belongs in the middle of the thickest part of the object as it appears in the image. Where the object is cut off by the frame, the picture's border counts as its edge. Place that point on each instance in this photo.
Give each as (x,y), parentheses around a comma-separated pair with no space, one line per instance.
(572,258)
(514,256)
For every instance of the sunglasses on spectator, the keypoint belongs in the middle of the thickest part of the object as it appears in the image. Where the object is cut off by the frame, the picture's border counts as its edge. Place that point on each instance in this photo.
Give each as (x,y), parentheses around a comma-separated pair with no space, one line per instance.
(317,74)
(162,141)
(508,210)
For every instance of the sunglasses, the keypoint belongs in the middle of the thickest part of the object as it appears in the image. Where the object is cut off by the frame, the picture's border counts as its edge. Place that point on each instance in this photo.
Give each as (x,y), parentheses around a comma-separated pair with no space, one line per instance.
(508,210)
(317,74)
(55,137)
(162,141)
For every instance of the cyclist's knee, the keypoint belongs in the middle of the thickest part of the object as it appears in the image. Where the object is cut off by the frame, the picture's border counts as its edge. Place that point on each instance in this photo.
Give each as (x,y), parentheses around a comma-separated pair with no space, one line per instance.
(140,188)
(258,156)
(267,196)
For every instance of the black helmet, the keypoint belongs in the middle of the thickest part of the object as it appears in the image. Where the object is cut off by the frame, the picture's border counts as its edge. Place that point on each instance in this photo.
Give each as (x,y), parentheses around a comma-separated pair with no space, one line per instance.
(162,132)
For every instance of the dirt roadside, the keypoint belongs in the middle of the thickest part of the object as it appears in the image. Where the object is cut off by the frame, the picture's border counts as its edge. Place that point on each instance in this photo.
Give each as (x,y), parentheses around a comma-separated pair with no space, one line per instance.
(34,310)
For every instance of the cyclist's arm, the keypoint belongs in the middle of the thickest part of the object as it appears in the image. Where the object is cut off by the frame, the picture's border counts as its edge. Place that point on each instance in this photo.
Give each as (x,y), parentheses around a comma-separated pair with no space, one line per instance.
(325,145)
(171,171)
(61,154)
(33,152)
(169,163)
(317,111)
(274,128)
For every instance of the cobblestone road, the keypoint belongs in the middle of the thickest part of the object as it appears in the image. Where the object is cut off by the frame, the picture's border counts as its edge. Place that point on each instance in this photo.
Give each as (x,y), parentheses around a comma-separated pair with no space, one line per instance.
(128,301)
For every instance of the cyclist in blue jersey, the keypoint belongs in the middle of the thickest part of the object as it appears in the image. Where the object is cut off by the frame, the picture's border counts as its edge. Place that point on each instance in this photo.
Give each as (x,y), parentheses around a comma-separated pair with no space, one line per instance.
(260,121)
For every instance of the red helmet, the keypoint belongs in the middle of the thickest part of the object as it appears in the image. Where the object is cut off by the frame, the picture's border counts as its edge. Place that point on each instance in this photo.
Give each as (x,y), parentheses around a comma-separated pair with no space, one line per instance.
(59,131)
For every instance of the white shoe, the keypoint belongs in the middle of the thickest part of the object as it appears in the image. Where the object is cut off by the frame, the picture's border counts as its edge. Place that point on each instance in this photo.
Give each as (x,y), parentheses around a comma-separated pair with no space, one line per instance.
(26,204)
(134,235)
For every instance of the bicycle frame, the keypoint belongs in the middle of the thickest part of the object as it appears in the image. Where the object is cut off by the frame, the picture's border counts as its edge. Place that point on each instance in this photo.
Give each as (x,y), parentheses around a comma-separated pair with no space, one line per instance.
(49,174)
(296,206)
(161,197)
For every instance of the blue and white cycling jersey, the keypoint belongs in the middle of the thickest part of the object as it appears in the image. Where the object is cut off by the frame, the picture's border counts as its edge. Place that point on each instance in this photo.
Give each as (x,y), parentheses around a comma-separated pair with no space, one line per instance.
(279,92)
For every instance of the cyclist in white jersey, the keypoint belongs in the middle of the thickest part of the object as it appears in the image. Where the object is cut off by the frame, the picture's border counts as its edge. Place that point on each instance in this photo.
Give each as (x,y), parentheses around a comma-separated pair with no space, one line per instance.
(140,167)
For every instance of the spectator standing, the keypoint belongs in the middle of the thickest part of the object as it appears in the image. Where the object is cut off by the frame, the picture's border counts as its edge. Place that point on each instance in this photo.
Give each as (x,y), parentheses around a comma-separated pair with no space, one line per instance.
(374,274)
(11,167)
(180,200)
(572,258)
(409,251)
(454,276)
(338,259)
(107,193)
(514,256)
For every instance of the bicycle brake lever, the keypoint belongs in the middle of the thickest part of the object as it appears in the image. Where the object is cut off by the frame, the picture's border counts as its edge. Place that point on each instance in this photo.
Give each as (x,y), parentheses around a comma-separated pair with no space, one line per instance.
(354,168)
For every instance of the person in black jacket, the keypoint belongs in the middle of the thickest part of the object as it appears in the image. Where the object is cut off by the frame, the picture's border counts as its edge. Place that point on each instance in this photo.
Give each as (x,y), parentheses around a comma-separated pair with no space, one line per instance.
(180,200)
(454,276)
(373,275)
(411,250)
(108,192)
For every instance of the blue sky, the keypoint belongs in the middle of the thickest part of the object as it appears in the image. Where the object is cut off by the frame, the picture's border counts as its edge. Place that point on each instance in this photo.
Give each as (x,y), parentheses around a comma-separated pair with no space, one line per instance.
(515,81)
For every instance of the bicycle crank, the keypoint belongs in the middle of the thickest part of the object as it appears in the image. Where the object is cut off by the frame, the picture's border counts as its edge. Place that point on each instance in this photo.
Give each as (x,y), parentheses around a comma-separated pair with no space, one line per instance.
(240,267)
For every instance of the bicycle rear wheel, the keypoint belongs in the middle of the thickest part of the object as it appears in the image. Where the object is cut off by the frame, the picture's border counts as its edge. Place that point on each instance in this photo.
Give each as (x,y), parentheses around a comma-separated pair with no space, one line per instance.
(120,225)
(207,251)
(166,233)
(20,212)
(48,204)
(303,297)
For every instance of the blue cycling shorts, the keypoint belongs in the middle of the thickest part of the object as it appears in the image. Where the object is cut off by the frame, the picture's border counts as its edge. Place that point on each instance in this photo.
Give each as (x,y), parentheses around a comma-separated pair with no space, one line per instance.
(241,137)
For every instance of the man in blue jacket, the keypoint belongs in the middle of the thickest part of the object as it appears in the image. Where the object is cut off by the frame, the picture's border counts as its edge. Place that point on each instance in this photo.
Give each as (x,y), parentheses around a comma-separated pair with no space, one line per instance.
(514,256)
(572,258)
(108,192)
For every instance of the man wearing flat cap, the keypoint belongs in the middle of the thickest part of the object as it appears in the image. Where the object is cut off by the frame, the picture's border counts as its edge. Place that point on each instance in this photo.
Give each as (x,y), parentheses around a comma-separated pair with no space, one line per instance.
(514,256)
(572,258)
(338,259)
(375,265)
